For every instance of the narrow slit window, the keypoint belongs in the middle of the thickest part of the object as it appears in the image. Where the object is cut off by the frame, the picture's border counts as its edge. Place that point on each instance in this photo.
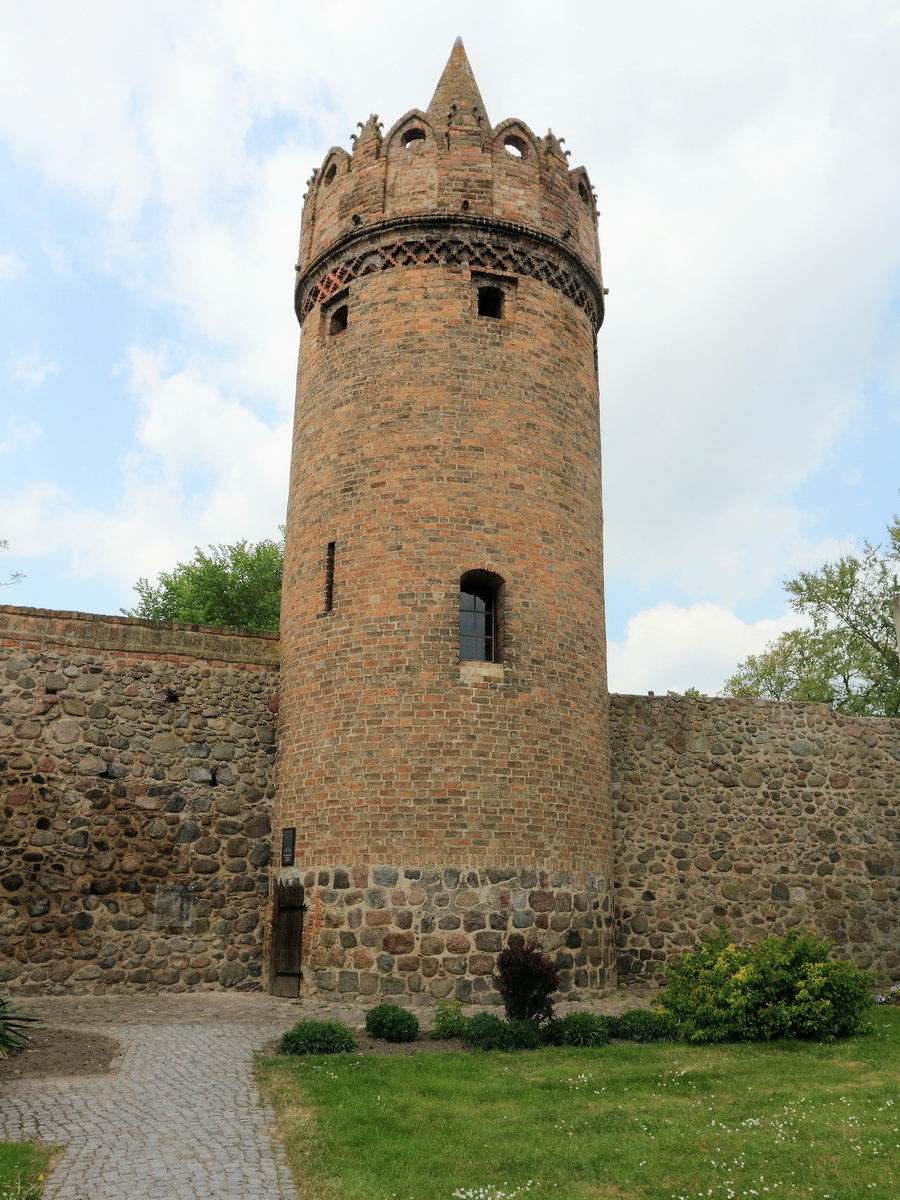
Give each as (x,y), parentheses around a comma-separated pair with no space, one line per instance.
(477,618)
(490,302)
(329,577)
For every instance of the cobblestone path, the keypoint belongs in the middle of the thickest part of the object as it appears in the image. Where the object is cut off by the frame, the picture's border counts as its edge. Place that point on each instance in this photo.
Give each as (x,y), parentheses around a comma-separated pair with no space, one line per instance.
(177,1119)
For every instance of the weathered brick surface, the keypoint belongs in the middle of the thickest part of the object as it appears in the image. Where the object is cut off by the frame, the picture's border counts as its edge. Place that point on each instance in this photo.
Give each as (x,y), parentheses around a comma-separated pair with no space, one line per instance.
(759,816)
(134,755)
(430,441)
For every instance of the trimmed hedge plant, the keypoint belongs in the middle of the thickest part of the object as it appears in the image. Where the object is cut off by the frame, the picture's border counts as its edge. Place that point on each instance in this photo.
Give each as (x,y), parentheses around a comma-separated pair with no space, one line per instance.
(643,1025)
(525,978)
(576,1029)
(317,1037)
(782,987)
(392,1023)
(485,1031)
(449,1020)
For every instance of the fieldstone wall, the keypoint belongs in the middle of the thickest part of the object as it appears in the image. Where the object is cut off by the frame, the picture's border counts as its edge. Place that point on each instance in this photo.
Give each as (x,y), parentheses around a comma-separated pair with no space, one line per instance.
(755,815)
(423,933)
(136,776)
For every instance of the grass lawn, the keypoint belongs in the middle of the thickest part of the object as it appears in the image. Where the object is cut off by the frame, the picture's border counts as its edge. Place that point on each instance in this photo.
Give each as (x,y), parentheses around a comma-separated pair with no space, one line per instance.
(22,1166)
(632,1122)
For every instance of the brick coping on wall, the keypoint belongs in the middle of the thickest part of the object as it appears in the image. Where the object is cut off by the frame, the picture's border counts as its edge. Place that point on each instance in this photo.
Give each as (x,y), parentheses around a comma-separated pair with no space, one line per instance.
(136,635)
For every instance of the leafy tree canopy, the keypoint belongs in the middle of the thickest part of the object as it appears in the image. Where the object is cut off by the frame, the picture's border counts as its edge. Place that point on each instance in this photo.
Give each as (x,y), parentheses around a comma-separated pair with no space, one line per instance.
(237,585)
(847,656)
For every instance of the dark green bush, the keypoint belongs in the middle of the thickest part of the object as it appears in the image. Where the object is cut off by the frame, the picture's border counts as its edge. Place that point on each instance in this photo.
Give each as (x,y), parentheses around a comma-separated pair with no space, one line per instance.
(391,1023)
(576,1029)
(485,1031)
(643,1025)
(523,1035)
(317,1037)
(12,1028)
(448,1020)
(525,979)
(782,987)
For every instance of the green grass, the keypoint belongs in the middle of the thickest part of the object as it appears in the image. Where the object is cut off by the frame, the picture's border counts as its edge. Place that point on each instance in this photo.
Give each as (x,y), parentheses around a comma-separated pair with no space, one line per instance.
(22,1167)
(632,1122)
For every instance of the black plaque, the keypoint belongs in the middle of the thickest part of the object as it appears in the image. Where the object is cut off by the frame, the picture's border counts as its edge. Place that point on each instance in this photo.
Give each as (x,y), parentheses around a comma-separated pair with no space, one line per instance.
(288,842)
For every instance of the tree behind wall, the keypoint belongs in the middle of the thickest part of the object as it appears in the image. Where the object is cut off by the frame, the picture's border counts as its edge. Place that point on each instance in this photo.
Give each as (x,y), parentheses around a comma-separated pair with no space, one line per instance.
(847,656)
(237,585)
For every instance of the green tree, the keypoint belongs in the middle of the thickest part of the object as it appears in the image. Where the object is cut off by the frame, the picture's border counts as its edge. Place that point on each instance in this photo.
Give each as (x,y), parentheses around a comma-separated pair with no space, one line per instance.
(237,585)
(847,655)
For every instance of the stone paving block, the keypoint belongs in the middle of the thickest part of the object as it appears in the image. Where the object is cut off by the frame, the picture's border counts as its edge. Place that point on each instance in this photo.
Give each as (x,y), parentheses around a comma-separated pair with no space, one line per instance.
(180,1118)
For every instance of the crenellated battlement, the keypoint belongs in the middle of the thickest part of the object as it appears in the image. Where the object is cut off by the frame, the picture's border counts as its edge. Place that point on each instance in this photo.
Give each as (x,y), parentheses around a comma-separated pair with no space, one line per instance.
(445,161)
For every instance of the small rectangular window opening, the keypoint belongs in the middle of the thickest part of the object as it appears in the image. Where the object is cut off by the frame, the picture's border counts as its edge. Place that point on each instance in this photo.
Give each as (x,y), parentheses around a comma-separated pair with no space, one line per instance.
(329,577)
(490,302)
(337,320)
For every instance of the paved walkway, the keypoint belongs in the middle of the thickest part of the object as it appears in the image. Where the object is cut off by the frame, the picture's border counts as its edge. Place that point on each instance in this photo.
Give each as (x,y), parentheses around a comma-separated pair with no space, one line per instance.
(178,1118)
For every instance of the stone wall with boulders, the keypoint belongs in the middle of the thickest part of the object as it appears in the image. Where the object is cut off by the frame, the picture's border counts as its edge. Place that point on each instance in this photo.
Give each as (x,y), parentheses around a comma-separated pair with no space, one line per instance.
(425,933)
(758,816)
(136,776)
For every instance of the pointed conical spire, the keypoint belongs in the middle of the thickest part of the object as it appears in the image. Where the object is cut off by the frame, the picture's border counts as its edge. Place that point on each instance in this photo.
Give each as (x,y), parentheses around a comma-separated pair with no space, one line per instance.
(456,98)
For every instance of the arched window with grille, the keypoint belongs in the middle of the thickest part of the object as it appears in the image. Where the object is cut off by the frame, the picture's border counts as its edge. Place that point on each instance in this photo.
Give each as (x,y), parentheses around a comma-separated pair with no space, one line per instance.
(479,604)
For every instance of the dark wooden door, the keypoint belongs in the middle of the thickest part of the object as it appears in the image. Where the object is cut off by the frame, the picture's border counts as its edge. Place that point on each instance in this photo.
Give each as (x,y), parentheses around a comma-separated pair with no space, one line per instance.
(287,936)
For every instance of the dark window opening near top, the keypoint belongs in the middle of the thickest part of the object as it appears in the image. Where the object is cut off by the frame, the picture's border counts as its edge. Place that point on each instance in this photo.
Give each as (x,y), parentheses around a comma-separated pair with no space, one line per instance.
(337,319)
(490,302)
(477,618)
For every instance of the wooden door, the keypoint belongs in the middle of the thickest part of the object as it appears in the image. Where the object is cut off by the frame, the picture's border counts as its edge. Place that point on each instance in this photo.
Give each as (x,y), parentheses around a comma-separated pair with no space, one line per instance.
(287,936)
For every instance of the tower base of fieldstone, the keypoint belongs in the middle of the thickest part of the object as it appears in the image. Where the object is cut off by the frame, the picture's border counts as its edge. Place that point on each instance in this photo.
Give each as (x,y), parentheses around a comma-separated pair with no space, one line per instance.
(423,933)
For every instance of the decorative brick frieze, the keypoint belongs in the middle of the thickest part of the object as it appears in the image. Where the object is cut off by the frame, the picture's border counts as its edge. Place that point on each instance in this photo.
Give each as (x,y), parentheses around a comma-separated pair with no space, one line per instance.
(458,243)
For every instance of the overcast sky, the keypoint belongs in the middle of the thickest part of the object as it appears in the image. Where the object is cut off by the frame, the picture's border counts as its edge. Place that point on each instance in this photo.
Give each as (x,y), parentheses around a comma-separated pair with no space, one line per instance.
(746,157)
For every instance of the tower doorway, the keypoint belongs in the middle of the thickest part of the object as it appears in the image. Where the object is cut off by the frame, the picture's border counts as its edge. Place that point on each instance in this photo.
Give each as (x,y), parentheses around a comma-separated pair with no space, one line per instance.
(287,938)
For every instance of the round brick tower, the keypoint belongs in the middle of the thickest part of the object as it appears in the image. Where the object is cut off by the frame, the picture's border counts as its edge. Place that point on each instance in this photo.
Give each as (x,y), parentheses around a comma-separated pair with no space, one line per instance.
(444,764)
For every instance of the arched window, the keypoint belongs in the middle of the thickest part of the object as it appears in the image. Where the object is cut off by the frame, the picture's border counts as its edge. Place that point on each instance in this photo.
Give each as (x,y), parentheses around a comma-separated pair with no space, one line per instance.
(478,612)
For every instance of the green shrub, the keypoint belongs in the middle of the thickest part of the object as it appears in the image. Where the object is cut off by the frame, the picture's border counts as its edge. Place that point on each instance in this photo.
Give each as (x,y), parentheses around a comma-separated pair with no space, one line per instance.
(782,987)
(576,1029)
(391,1023)
(523,1035)
(317,1037)
(485,1031)
(644,1025)
(12,1028)
(449,1020)
(525,979)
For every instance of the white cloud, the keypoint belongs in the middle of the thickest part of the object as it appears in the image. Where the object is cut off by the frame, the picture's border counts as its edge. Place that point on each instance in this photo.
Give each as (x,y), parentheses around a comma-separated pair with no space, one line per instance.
(11,266)
(668,647)
(31,370)
(15,433)
(745,160)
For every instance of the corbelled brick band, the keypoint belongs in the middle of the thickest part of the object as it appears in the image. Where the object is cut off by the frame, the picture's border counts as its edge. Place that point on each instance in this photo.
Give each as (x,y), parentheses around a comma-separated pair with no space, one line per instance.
(443,808)
(453,241)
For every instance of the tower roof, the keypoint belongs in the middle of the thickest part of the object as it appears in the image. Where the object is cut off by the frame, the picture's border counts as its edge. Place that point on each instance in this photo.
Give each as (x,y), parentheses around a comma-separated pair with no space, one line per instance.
(457,91)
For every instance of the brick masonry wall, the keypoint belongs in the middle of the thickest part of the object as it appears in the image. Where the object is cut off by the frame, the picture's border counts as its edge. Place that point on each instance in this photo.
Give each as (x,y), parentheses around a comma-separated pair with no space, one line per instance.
(442,809)
(136,770)
(430,441)
(755,815)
